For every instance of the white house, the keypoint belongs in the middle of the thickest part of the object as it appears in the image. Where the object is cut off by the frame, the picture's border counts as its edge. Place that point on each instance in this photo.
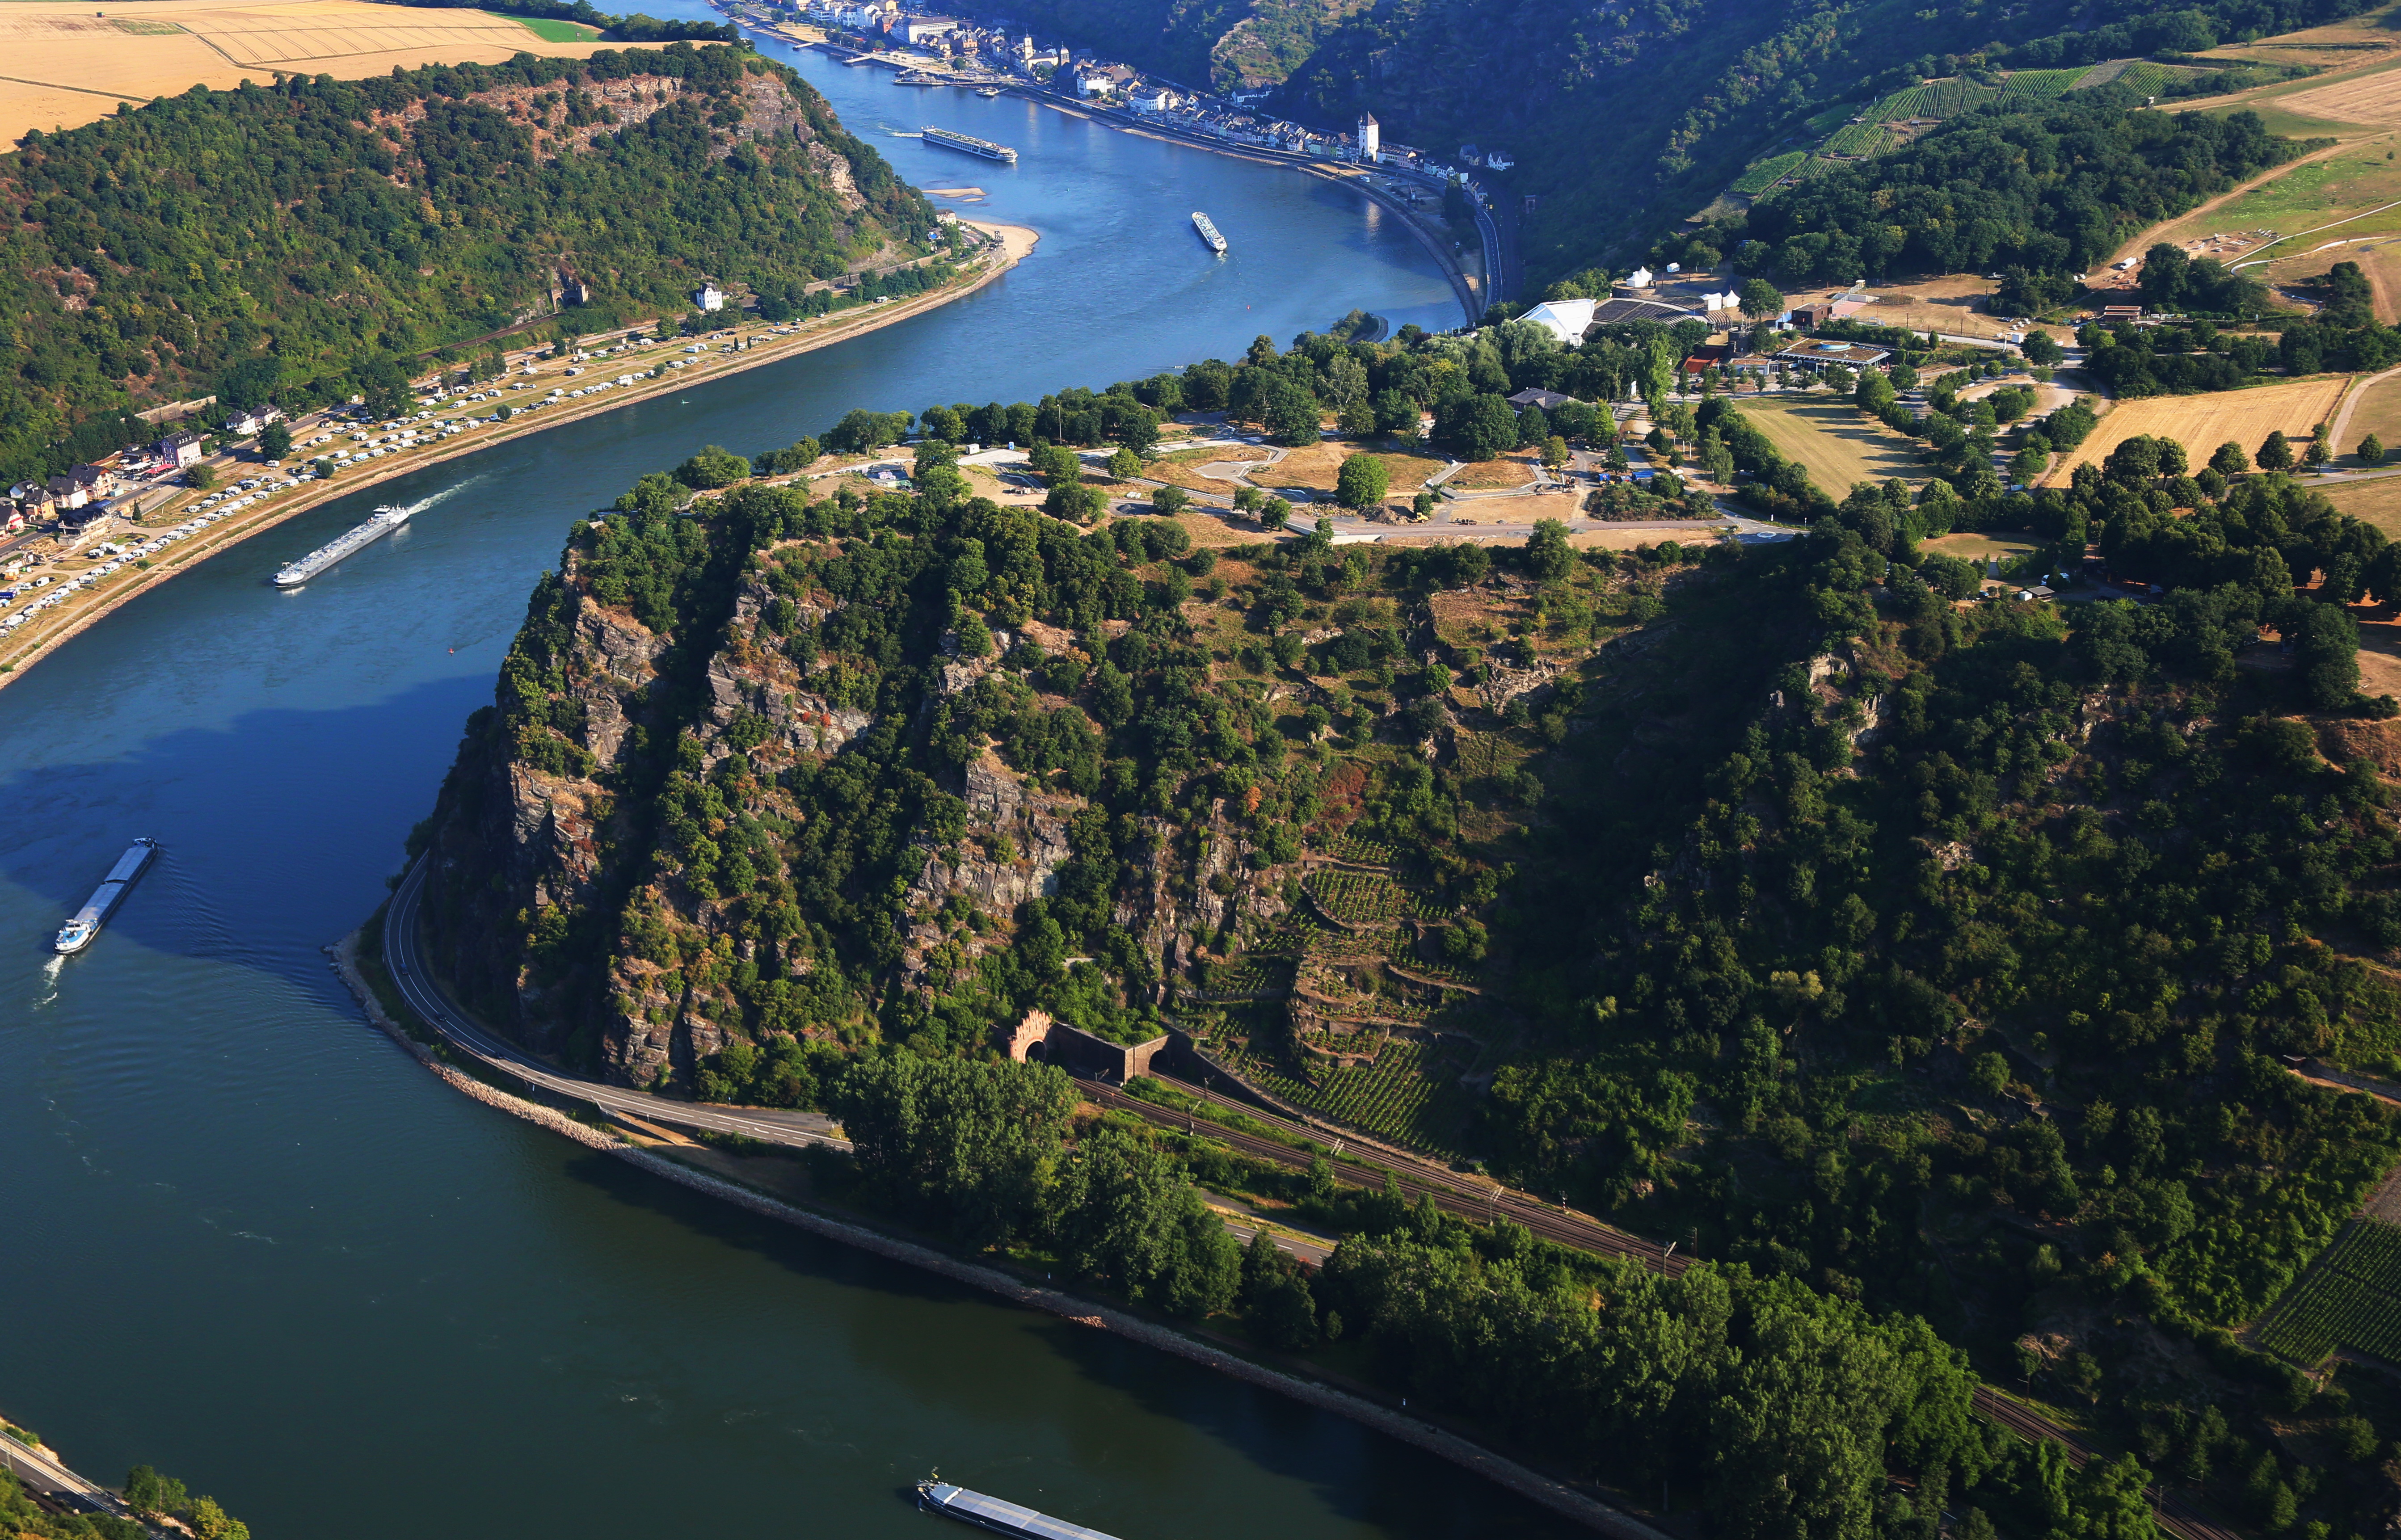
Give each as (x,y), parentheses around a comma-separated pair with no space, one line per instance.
(1152,99)
(710,297)
(1566,319)
(180,450)
(251,420)
(1371,137)
(1639,278)
(1103,79)
(925,28)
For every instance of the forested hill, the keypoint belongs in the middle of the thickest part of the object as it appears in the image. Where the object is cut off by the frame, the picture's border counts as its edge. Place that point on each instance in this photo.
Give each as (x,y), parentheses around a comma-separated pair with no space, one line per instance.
(1625,118)
(302,242)
(1932,957)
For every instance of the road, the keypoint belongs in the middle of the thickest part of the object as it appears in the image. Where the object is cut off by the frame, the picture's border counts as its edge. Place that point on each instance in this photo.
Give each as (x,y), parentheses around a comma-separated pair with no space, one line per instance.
(404,954)
(42,1474)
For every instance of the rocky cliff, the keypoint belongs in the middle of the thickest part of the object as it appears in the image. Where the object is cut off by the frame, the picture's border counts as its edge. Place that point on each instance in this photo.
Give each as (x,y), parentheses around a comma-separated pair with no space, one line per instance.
(766,772)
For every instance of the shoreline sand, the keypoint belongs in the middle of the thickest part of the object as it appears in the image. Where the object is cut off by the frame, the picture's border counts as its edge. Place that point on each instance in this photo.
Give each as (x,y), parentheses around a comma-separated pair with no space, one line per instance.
(1018,241)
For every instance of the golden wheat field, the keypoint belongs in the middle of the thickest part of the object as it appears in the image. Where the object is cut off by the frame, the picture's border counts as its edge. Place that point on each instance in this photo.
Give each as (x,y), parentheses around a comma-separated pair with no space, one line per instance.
(69,64)
(2203,423)
(2372,97)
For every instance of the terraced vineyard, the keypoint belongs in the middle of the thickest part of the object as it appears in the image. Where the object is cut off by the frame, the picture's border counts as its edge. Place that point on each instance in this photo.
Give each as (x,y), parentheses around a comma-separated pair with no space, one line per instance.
(2151,78)
(1410,1095)
(1358,898)
(1860,139)
(1366,852)
(2352,1298)
(1768,173)
(1247,974)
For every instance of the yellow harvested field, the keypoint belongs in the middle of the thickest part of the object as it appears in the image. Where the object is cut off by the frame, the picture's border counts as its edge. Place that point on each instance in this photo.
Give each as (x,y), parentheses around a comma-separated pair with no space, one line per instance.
(69,64)
(2370,97)
(2377,502)
(2203,423)
(1836,443)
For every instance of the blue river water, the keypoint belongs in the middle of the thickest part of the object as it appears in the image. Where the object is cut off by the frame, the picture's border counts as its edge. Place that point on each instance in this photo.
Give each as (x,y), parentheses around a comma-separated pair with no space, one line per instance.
(249,1243)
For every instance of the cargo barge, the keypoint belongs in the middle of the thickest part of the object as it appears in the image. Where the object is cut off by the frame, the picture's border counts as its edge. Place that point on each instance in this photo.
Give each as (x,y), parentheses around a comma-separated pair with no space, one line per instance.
(293,573)
(78,933)
(970,143)
(1000,1518)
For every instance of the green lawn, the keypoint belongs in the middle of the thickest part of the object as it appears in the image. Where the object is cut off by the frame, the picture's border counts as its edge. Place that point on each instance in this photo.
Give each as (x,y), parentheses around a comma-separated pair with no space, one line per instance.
(551,30)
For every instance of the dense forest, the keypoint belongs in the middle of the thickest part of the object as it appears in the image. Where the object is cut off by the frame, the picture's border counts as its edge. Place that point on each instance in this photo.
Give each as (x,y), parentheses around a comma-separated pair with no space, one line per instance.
(1904,958)
(2052,191)
(300,242)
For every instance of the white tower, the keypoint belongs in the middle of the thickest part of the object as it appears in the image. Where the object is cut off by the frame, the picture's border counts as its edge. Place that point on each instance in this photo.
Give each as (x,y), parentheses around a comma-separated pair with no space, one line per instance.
(1371,137)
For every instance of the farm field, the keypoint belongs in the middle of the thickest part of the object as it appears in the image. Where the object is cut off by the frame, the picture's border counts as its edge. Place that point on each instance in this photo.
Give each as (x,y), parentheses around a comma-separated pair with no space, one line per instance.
(70,64)
(2370,96)
(2203,423)
(2377,411)
(1834,443)
(2350,1298)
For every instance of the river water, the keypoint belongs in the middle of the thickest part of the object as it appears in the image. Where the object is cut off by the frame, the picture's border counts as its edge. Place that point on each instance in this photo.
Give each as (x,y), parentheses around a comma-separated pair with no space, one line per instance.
(249,1242)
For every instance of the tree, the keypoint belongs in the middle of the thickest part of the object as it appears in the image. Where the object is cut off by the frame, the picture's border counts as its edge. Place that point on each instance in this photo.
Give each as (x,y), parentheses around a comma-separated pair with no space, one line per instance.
(1124,465)
(2043,349)
(324,469)
(275,441)
(1759,300)
(1990,1074)
(1422,505)
(1168,502)
(967,1145)
(1555,451)
(2326,652)
(1274,514)
(2276,454)
(1477,427)
(2371,450)
(1075,503)
(1055,463)
(1549,556)
(1246,497)
(2028,464)
(1291,416)
(714,466)
(201,477)
(1362,482)
(2230,460)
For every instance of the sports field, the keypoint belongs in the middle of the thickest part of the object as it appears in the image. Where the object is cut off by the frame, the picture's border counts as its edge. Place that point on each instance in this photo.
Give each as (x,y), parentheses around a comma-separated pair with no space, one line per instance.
(2203,423)
(1831,441)
(70,64)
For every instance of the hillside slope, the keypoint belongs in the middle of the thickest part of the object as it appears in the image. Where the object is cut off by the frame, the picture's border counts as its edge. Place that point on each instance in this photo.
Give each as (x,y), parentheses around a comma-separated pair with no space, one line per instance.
(303,243)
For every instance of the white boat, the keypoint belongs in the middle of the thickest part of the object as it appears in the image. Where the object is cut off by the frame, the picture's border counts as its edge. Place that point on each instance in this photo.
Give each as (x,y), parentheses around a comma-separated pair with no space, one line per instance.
(1208,228)
(78,933)
(293,573)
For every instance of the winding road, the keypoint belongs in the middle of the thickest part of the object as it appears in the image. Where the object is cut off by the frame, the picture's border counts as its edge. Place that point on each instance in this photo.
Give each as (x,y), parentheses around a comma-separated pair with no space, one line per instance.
(405,956)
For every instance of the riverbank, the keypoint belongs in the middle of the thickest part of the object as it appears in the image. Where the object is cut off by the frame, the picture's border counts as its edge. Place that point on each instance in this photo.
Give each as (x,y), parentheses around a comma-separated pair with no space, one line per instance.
(34,643)
(1464,288)
(1533,1485)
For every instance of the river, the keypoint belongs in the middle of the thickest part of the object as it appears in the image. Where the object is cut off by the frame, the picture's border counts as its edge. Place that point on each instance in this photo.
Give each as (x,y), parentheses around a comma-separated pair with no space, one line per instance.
(251,1243)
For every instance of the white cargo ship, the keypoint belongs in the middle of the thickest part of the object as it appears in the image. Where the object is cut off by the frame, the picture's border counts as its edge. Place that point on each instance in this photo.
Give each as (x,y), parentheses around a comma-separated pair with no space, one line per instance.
(1001,1517)
(1208,228)
(78,933)
(293,573)
(969,143)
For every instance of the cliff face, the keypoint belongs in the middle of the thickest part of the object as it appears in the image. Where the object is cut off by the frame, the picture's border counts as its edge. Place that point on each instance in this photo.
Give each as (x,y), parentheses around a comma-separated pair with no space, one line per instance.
(739,786)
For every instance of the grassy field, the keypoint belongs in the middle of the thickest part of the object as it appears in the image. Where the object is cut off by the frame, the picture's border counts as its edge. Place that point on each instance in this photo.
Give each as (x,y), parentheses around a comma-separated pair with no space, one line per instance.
(2203,423)
(69,63)
(1977,547)
(2377,502)
(1834,443)
(2350,1298)
(1514,469)
(2320,192)
(552,29)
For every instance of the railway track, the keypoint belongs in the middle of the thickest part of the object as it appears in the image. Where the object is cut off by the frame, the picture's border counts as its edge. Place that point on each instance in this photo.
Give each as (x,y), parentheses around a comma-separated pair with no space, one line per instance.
(1465,1196)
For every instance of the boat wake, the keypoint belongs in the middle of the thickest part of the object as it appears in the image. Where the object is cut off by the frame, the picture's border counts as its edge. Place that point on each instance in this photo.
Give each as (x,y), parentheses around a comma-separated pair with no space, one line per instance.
(51,969)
